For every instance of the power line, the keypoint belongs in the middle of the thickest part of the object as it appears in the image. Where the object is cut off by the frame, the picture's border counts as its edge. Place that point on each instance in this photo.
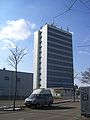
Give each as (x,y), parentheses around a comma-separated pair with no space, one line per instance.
(65,10)
(84,4)
(70,8)
(87,1)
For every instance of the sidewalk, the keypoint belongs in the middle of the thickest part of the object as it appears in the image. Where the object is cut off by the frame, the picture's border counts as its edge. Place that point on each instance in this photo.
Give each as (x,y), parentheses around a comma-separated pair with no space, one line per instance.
(19,103)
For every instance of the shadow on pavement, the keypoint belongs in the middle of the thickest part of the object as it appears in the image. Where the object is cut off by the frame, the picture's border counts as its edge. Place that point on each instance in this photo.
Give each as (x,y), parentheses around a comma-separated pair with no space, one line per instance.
(56,108)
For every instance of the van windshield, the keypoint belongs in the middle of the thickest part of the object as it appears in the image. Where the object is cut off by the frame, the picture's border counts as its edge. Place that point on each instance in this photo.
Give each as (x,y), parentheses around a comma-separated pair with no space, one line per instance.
(32,96)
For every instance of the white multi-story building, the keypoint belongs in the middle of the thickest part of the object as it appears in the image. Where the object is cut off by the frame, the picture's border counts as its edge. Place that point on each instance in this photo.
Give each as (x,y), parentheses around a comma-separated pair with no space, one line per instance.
(53,58)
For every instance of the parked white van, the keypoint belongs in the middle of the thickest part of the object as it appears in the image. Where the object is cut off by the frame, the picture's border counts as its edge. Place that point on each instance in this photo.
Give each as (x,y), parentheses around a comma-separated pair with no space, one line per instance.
(39,97)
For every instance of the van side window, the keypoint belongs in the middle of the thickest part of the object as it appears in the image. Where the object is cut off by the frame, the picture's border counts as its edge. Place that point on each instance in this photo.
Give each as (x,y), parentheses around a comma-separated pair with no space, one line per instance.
(46,96)
(38,96)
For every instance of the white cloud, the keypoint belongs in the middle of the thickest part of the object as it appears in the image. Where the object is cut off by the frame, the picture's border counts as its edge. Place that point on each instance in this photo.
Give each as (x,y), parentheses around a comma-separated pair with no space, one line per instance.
(16,30)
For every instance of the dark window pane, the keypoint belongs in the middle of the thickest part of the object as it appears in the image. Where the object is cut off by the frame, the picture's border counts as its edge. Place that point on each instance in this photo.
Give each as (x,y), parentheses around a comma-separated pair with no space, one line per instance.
(6,78)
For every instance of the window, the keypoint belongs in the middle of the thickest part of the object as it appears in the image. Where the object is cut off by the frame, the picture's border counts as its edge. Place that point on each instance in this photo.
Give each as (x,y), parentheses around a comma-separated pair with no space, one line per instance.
(18,79)
(52,50)
(60,32)
(59,56)
(58,40)
(60,47)
(6,78)
(1,89)
(52,61)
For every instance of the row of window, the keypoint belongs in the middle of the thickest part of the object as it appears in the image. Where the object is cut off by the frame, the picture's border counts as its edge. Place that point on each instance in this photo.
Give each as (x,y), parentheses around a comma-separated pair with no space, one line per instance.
(59,60)
(59,41)
(59,36)
(59,46)
(60,32)
(60,63)
(51,85)
(59,68)
(7,78)
(58,51)
(67,80)
(58,73)
(53,55)
(59,82)
(60,77)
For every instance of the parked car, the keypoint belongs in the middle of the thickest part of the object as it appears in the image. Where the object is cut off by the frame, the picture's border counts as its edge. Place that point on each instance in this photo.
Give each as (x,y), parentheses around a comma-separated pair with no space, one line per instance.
(39,98)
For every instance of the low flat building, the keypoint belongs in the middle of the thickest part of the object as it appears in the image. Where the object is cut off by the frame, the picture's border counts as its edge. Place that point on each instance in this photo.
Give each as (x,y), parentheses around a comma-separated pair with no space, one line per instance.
(7,84)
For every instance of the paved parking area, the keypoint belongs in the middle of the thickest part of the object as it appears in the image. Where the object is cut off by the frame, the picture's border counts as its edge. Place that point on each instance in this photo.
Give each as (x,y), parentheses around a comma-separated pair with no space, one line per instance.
(61,111)
(10,102)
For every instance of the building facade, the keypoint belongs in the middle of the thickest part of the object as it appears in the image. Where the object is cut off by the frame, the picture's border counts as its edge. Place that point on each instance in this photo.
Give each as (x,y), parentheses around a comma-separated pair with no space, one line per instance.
(7,84)
(53,58)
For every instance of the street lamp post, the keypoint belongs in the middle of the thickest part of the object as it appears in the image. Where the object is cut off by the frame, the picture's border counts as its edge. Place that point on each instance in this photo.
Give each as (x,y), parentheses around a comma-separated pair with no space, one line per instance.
(74,92)
(15,90)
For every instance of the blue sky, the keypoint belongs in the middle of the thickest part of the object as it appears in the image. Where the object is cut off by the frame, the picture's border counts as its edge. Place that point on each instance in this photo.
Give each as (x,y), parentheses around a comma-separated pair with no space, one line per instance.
(20,18)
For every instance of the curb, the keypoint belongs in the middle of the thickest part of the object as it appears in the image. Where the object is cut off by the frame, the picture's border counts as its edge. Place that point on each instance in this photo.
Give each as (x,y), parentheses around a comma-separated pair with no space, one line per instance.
(63,101)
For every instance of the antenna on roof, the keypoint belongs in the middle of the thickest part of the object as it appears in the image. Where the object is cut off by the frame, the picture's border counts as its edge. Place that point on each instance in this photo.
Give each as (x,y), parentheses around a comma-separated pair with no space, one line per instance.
(53,21)
(67,29)
(61,27)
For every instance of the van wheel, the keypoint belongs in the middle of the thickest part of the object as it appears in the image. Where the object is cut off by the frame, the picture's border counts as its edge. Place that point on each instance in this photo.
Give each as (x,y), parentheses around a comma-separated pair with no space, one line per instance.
(50,104)
(37,105)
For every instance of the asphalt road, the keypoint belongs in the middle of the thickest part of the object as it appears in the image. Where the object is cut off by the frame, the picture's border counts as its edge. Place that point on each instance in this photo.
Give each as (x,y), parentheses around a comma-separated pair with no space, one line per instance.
(62,111)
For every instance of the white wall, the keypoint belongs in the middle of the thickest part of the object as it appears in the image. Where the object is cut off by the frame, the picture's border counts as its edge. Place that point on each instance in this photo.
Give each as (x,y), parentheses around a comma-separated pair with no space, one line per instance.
(36,57)
(44,58)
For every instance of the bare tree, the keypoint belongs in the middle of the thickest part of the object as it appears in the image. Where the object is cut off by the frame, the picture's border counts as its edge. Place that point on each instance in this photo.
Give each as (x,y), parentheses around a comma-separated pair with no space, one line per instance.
(14,59)
(85,76)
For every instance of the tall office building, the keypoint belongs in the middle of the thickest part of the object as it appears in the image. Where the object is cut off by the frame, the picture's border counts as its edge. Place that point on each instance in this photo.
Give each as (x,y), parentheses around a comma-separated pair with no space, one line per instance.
(53,58)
